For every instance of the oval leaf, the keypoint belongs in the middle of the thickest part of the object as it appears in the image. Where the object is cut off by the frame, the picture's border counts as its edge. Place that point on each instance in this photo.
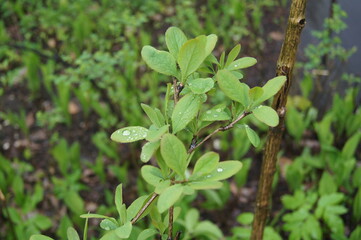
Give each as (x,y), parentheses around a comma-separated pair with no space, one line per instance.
(146,234)
(174,38)
(203,185)
(155,116)
(160,61)
(224,170)
(233,55)
(185,110)
(211,43)
(266,115)
(148,150)
(152,175)
(271,88)
(124,231)
(217,113)
(174,153)
(191,55)
(200,85)
(233,89)
(252,136)
(206,163)
(129,134)
(241,63)
(169,197)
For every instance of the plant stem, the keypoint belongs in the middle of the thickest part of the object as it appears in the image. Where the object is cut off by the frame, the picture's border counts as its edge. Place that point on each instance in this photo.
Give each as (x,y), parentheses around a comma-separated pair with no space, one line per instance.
(285,63)
(170,228)
(146,205)
(177,89)
(220,129)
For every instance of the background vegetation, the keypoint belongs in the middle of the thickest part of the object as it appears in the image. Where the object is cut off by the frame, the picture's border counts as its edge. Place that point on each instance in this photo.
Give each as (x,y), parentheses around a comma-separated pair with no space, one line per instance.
(71,74)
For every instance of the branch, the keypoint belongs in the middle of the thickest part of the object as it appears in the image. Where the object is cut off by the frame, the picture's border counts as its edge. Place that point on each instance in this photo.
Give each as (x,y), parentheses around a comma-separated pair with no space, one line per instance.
(170,229)
(142,210)
(285,63)
(177,89)
(220,129)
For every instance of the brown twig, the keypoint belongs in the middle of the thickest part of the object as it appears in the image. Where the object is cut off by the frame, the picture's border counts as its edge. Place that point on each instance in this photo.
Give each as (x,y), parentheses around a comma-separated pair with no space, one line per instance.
(170,228)
(177,89)
(285,63)
(220,129)
(142,210)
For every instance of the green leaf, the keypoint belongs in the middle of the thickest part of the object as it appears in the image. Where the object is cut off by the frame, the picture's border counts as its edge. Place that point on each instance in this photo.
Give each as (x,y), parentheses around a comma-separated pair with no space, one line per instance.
(200,85)
(152,175)
(233,89)
(161,186)
(107,225)
(191,56)
(169,196)
(204,185)
(255,93)
(155,134)
(148,150)
(40,237)
(110,235)
(233,55)
(119,198)
(185,110)
(74,202)
(224,170)
(348,151)
(266,115)
(160,61)
(217,113)
(252,136)
(174,153)
(356,210)
(146,234)
(174,38)
(356,178)
(72,234)
(124,231)
(327,184)
(241,63)
(155,116)
(211,43)
(206,164)
(356,234)
(191,219)
(245,218)
(209,229)
(136,205)
(271,88)
(129,134)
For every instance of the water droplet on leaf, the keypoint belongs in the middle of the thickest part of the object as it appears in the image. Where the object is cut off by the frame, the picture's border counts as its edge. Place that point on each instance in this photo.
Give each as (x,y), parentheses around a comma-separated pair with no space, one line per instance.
(126,133)
(219,169)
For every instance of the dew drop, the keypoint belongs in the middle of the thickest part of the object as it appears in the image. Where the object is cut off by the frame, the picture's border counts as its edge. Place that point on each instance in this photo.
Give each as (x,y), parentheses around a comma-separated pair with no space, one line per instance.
(215,115)
(126,133)
(208,176)
(219,169)
(236,65)
(209,112)
(218,110)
